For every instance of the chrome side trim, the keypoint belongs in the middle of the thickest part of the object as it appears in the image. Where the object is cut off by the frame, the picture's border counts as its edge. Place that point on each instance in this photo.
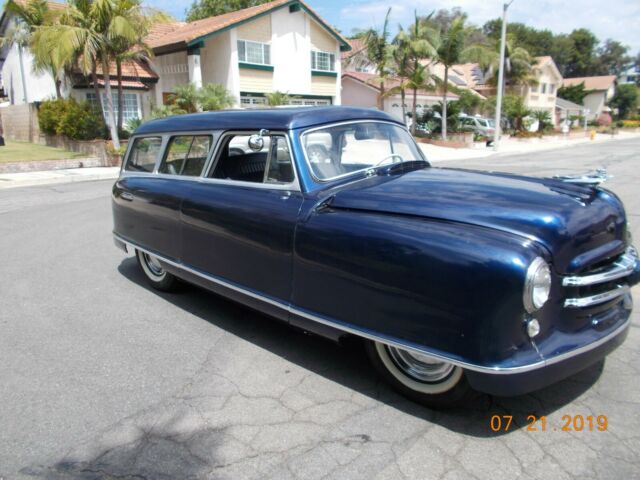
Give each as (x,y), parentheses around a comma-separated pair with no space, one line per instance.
(621,268)
(391,341)
(596,299)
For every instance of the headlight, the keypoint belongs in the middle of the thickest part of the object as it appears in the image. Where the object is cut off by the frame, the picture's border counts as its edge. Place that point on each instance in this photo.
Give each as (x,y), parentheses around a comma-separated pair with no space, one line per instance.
(537,285)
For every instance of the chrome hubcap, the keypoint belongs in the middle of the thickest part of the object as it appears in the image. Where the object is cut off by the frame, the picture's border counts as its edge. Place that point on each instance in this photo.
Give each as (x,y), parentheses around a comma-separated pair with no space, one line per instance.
(420,367)
(153,264)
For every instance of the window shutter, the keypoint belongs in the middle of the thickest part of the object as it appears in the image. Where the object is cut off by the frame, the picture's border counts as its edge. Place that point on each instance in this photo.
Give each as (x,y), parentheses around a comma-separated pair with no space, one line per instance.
(313,60)
(332,62)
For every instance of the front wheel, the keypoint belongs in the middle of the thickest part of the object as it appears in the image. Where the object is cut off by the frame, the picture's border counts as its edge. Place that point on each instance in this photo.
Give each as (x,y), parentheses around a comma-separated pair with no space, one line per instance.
(423,379)
(155,273)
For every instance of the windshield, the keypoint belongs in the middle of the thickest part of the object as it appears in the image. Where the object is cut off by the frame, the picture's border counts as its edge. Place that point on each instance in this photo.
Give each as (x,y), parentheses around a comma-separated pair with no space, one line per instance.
(343,149)
(483,122)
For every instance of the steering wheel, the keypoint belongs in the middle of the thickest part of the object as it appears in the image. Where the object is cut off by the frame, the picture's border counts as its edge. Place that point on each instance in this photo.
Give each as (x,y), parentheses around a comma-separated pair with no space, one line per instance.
(393,155)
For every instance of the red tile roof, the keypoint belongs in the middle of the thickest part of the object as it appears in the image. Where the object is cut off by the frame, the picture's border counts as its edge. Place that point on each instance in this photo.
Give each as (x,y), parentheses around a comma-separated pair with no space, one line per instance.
(603,82)
(357,46)
(132,70)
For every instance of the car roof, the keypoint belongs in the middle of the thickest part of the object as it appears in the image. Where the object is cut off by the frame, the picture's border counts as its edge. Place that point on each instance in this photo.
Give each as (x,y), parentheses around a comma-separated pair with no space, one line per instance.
(270,119)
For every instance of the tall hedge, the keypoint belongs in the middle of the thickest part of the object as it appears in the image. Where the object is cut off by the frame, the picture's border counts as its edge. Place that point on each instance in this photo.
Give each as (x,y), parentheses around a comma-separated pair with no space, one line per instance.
(78,121)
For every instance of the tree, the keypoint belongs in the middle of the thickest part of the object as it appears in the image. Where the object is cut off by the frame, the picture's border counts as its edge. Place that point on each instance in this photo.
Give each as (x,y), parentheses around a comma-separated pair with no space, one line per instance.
(519,65)
(450,51)
(30,16)
(185,97)
(378,50)
(86,33)
(582,61)
(189,99)
(536,42)
(200,9)
(612,58)
(573,93)
(275,99)
(515,110)
(625,100)
(544,119)
(213,96)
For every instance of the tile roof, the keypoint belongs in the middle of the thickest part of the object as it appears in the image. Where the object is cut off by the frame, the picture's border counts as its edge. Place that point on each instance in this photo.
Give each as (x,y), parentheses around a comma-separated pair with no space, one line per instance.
(591,83)
(51,5)
(370,80)
(131,70)
(357,46)
(184,33)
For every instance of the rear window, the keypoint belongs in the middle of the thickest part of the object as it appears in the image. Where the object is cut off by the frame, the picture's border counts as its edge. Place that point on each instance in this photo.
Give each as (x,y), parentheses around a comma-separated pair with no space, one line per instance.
(143,154)
(186,155)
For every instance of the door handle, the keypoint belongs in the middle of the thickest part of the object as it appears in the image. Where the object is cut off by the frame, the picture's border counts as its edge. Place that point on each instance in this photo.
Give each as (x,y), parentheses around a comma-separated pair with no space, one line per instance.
(126,196)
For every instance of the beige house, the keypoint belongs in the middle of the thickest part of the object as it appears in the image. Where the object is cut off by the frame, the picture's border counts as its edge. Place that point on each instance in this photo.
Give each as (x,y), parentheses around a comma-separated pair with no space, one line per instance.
(539,96)
(277,46)
(601,90)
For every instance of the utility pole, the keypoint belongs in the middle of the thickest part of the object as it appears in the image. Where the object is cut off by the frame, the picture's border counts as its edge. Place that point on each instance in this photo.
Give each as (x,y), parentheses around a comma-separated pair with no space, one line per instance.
(503,41)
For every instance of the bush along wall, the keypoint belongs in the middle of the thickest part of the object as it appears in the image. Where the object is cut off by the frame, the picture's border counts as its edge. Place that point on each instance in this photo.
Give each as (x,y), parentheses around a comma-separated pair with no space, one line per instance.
(77,121)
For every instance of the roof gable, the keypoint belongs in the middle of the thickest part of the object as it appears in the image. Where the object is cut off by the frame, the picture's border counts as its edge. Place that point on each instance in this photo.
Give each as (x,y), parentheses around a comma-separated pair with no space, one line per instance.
(192,34)
(602,82)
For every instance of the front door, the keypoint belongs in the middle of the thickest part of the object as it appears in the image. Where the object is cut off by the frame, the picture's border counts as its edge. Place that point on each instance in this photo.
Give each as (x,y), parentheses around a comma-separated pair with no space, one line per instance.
(238,225)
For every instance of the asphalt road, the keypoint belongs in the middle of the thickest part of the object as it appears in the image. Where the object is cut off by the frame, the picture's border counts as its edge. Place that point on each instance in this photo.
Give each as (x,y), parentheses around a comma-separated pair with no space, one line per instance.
(101,377)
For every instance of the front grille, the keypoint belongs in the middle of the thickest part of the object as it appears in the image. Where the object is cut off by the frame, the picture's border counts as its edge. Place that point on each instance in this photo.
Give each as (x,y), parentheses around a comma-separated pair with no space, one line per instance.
(603,282)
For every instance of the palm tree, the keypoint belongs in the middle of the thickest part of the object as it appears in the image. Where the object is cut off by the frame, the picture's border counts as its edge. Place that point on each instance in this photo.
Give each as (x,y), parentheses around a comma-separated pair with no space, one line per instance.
(31,15)
(379,52)
(450,51)
(213,96)
(87,32)
(275,99)
(185,97)
(518,62)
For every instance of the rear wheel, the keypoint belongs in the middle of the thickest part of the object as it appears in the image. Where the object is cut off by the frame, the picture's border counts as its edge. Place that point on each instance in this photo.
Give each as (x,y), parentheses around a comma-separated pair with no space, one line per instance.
(422,378)
(156,275)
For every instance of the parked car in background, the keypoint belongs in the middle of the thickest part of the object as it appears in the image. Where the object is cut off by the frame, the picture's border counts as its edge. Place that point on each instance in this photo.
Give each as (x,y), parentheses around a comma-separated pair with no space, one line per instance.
(482,127)
(331,219)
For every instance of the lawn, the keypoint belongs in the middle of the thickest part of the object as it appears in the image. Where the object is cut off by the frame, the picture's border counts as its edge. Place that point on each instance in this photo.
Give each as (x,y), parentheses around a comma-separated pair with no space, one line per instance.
(27,152)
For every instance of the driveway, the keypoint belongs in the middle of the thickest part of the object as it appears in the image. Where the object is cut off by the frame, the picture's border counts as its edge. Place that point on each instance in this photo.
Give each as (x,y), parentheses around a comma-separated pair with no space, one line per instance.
(103,378)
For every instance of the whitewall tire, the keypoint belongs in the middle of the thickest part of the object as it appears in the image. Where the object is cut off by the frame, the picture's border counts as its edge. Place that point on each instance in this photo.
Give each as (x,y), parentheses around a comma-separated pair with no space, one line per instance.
(423,379)
(155,273)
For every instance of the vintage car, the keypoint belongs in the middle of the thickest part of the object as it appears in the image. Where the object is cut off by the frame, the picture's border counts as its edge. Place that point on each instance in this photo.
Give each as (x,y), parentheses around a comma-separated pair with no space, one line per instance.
(331,219)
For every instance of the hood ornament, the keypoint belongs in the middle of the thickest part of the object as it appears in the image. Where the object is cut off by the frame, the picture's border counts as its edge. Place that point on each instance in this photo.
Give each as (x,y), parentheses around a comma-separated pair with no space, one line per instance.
(593,178)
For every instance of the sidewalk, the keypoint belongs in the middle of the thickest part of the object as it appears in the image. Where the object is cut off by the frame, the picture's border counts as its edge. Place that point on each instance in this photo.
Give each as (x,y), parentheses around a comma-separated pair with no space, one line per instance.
(511,146)
(26,179)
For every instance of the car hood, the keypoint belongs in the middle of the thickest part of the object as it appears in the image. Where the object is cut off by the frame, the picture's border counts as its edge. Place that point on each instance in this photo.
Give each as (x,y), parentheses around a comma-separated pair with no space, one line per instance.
(578,225)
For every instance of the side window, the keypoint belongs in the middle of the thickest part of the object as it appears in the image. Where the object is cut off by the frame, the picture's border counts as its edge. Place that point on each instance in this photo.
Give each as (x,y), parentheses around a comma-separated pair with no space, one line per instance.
(186,155)
(143,154)
(271,164)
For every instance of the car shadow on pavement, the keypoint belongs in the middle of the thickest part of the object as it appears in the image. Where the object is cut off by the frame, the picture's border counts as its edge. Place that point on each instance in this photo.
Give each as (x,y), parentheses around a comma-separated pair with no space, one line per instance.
(347,363)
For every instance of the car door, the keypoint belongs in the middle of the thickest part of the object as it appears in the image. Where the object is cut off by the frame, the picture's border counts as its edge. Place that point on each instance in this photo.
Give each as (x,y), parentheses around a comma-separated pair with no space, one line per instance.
(239,223)
(147,199)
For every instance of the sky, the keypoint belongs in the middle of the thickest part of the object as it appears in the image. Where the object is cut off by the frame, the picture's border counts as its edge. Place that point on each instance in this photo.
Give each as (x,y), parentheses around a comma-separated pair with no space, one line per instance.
(617,19)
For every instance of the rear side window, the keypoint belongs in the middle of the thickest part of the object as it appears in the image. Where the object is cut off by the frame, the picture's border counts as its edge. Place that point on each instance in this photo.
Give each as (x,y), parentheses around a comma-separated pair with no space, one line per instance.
(186,155)
(143,154)
(271,164)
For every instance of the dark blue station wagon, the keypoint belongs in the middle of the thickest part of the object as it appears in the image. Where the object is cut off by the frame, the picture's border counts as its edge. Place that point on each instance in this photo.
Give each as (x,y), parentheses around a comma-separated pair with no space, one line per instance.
(332,220)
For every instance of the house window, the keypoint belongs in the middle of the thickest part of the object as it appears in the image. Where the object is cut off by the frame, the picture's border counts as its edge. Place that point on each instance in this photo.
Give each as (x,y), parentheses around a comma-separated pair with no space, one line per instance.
(252,102)
(254,52)
(534,88)
(130,107)
(323,61)
(544,88)
(552,88)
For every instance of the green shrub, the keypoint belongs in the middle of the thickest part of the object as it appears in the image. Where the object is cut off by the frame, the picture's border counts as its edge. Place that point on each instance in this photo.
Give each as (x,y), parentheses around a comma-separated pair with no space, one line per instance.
(78,121)
(49,114)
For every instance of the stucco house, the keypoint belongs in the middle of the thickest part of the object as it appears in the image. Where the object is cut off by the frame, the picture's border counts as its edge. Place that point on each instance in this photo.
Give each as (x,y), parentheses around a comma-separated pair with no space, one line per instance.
(630,75)
(281,46)
(277,46)
(541,95)
(361,89)
(601,90)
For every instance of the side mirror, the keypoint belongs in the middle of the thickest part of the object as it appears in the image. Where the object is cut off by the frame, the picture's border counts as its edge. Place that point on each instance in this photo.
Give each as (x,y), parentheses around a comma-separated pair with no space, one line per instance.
(256,142)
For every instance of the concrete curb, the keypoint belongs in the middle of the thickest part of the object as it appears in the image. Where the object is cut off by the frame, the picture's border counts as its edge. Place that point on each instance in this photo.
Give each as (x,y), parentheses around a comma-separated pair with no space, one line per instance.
(29,179)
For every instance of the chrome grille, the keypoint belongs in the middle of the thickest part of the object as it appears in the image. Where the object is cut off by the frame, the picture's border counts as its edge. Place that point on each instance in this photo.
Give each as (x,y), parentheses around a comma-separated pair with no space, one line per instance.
(604,276)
